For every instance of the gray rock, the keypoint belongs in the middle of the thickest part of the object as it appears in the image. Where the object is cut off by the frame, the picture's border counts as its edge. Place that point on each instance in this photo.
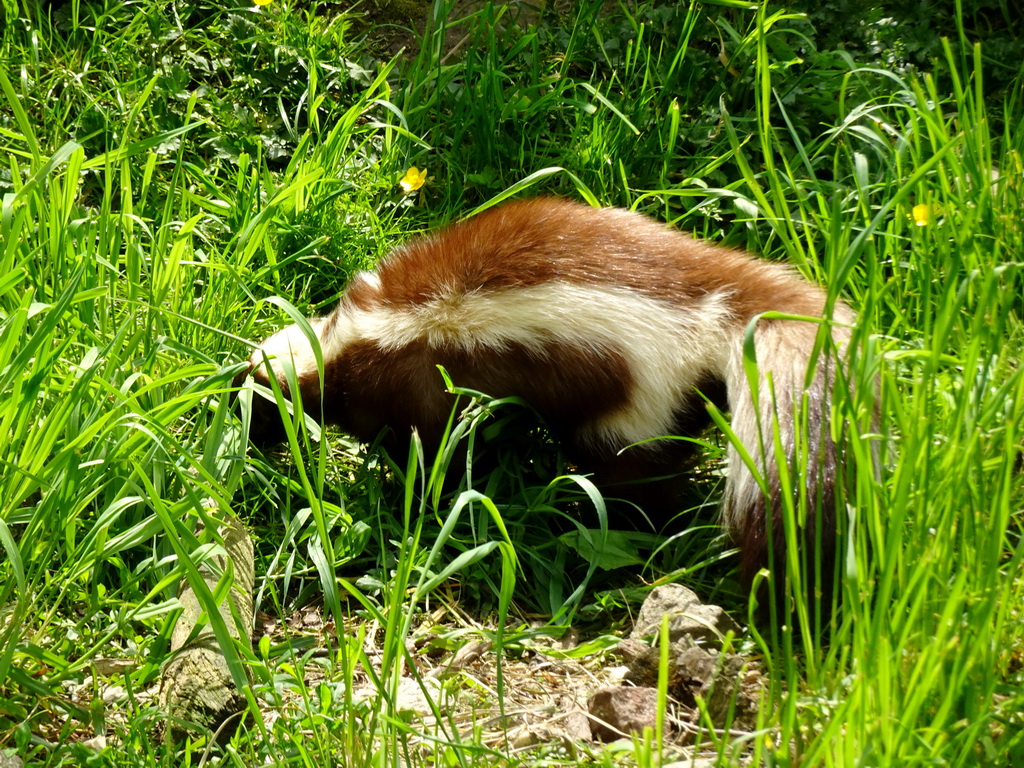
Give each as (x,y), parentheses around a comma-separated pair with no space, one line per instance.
(687,617)
(620,711)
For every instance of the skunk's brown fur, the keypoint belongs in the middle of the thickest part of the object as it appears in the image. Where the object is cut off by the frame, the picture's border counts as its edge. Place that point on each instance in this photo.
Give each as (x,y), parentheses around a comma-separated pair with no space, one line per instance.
(608,323)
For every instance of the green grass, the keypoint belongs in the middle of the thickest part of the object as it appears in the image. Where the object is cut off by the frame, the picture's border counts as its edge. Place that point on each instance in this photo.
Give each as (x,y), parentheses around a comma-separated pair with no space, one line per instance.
(168,168)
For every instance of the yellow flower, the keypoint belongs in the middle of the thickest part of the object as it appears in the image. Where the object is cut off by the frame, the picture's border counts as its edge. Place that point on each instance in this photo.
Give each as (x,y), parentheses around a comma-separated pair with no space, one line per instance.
(263,2)
(414,179)
(924,214)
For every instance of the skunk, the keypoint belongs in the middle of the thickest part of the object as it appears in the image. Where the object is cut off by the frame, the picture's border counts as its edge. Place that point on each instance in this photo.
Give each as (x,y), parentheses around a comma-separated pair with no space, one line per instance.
(614,327)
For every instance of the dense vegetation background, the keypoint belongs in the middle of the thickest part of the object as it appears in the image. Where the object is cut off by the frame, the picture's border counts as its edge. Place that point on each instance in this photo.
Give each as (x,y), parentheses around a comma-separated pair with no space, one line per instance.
(167,167)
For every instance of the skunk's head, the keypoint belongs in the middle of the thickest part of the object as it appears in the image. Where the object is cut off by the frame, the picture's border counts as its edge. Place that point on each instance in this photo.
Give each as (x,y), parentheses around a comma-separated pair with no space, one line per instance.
(287,355)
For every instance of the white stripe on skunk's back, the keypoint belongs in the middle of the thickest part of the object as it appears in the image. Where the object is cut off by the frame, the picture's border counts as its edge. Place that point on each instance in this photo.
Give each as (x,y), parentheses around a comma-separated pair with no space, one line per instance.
(291,345)
(669,347)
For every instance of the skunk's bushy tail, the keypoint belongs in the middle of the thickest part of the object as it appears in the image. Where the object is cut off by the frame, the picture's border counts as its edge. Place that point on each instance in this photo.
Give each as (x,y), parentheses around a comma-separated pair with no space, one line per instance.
(781,421)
